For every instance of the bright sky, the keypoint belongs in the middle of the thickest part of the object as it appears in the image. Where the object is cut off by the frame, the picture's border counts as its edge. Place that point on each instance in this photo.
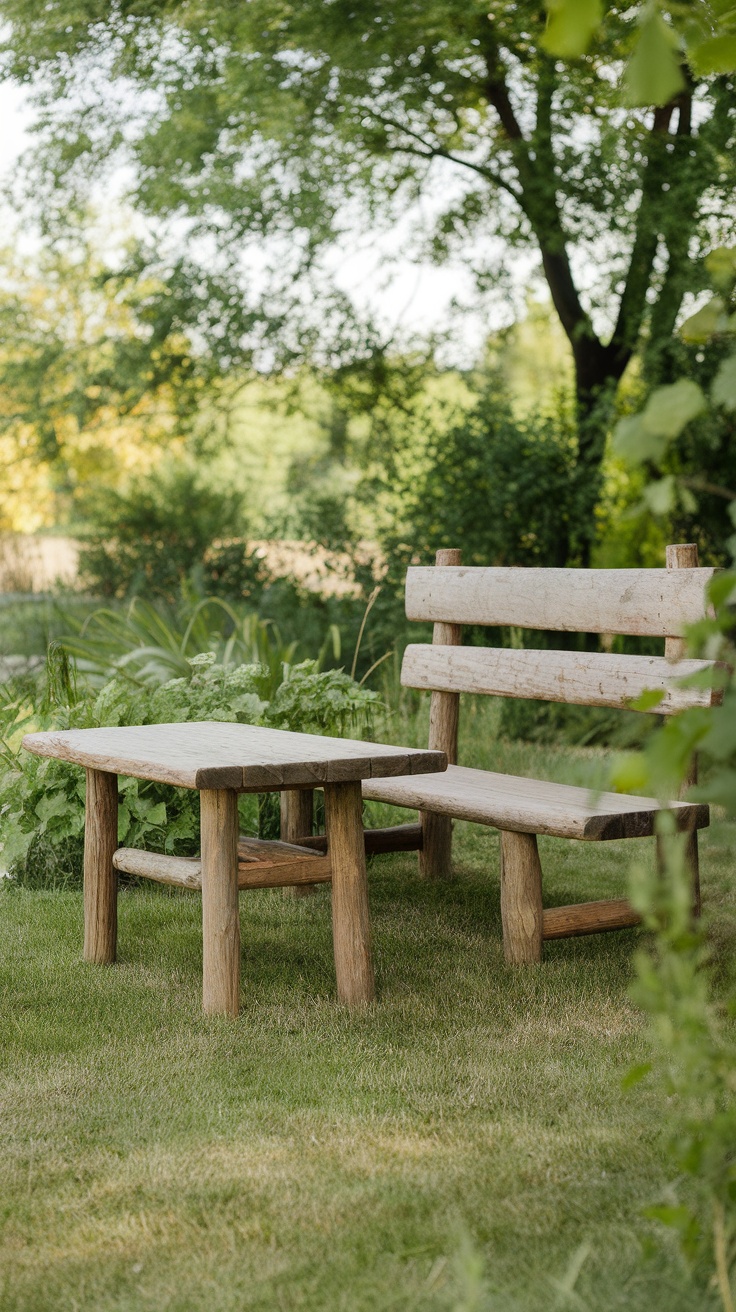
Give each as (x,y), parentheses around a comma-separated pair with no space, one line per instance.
(411,297)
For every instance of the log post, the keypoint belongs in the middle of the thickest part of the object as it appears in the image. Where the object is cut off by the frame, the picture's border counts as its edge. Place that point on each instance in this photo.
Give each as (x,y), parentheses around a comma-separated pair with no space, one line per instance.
(351,928)
(684,555)
(435,856)
(521,898)
(219,831)
(297,813)
(100,876)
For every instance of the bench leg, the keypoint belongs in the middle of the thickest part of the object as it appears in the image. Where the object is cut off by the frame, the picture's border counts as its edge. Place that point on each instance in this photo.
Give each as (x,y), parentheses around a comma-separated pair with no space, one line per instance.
(435,855)
(219,830)
(692,864)
(351,927)
(297,813)
(100,876)
(521,898)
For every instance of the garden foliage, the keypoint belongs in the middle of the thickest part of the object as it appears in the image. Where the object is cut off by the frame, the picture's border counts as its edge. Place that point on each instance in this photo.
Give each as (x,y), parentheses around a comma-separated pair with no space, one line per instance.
(689,994)
(42,800)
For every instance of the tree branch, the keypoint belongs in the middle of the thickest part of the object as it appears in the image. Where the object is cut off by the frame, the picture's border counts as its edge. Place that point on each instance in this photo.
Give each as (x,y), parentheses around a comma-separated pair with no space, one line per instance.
(690,176)
(430,151)
(643,252)
(496,93)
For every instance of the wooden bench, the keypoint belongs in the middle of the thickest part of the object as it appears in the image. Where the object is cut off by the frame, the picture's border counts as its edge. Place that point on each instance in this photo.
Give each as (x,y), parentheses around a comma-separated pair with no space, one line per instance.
(648,602)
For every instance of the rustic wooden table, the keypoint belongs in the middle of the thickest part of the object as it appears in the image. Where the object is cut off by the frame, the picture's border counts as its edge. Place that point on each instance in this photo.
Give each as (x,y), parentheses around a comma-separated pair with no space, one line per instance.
(222,760)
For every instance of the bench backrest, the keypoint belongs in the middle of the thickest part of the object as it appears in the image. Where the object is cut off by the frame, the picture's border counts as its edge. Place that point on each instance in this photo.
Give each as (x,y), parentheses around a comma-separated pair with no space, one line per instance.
(646,602)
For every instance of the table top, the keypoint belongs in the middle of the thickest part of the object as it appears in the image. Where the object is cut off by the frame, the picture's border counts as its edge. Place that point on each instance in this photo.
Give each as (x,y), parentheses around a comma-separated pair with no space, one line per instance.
(210,754)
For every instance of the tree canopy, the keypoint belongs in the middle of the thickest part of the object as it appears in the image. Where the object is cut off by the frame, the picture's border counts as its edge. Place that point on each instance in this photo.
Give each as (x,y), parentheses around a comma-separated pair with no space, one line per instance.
(266,127)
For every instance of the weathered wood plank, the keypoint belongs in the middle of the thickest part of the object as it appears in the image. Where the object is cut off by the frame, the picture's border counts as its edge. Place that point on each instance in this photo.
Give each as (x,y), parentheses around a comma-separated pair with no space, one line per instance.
(588,918)
(395,838)
(283,865)
(435,856)
(100,876)
(521,899)
(212,755)
(531,806)
(177,871)
(654,602)
(220,909)
(351,926)
(583,678)
(297,818)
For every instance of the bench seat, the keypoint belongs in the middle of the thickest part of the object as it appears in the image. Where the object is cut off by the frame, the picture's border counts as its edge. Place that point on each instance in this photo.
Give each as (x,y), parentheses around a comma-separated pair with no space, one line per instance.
(530,806)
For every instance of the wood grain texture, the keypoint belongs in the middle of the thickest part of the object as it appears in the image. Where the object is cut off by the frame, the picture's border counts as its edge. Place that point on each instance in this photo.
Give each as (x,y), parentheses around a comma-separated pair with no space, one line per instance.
(350,912)
(297,817)
(260,865)
(582,678)
(435,855)
(521,899)
(531,806)
(212,755)
(100,876)
(679,555)
(395,838)
(220,911)
(654,602)
(588,918)
(684,555)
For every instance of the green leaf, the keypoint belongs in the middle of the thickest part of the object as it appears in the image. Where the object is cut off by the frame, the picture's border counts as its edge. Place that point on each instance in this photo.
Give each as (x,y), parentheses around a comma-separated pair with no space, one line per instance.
(723,391)
(670,408)
(721,790)
(721,265)
(630,773)
(636,1075)
(648,700)
(157,814)
(52,805)
(660,495)
(678,1217)
(717,55)
(700,327)
(633,444)
(570,26)
(653,75)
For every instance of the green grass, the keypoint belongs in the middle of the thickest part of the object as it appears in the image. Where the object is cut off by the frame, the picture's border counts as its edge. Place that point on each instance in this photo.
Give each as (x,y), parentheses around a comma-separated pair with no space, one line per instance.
(462,1144)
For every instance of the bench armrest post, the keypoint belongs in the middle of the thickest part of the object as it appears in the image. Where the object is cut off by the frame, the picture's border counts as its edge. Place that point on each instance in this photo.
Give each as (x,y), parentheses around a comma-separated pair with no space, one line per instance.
(435,856)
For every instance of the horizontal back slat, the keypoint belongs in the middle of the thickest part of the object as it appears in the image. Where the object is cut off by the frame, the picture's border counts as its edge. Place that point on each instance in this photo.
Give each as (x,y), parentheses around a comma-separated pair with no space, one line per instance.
(584,678)
(649,602)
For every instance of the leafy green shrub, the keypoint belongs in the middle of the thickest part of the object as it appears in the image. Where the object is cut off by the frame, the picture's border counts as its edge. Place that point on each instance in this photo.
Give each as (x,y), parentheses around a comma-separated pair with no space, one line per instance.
(148,643)
(42,800)
(678,983)
(154,535)
(499,487)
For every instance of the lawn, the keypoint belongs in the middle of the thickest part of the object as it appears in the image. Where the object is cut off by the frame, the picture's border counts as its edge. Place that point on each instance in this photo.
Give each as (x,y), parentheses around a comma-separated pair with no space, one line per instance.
(462,1144)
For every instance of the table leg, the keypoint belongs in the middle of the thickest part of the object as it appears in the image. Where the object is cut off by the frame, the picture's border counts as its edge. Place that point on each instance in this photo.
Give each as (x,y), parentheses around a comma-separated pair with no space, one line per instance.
(100,876)
(351,926)
(297,810)
(220,910)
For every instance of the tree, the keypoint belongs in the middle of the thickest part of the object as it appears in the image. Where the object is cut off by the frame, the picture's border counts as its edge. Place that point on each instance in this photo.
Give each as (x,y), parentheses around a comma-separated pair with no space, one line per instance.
(263,121)
(96,376)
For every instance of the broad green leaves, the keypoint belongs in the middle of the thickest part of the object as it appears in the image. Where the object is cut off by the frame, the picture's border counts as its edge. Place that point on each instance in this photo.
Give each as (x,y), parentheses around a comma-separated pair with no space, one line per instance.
(670,37)
(723,391)
(668,410)
(700,327)
(570,26)
(715,56)
(654,74)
